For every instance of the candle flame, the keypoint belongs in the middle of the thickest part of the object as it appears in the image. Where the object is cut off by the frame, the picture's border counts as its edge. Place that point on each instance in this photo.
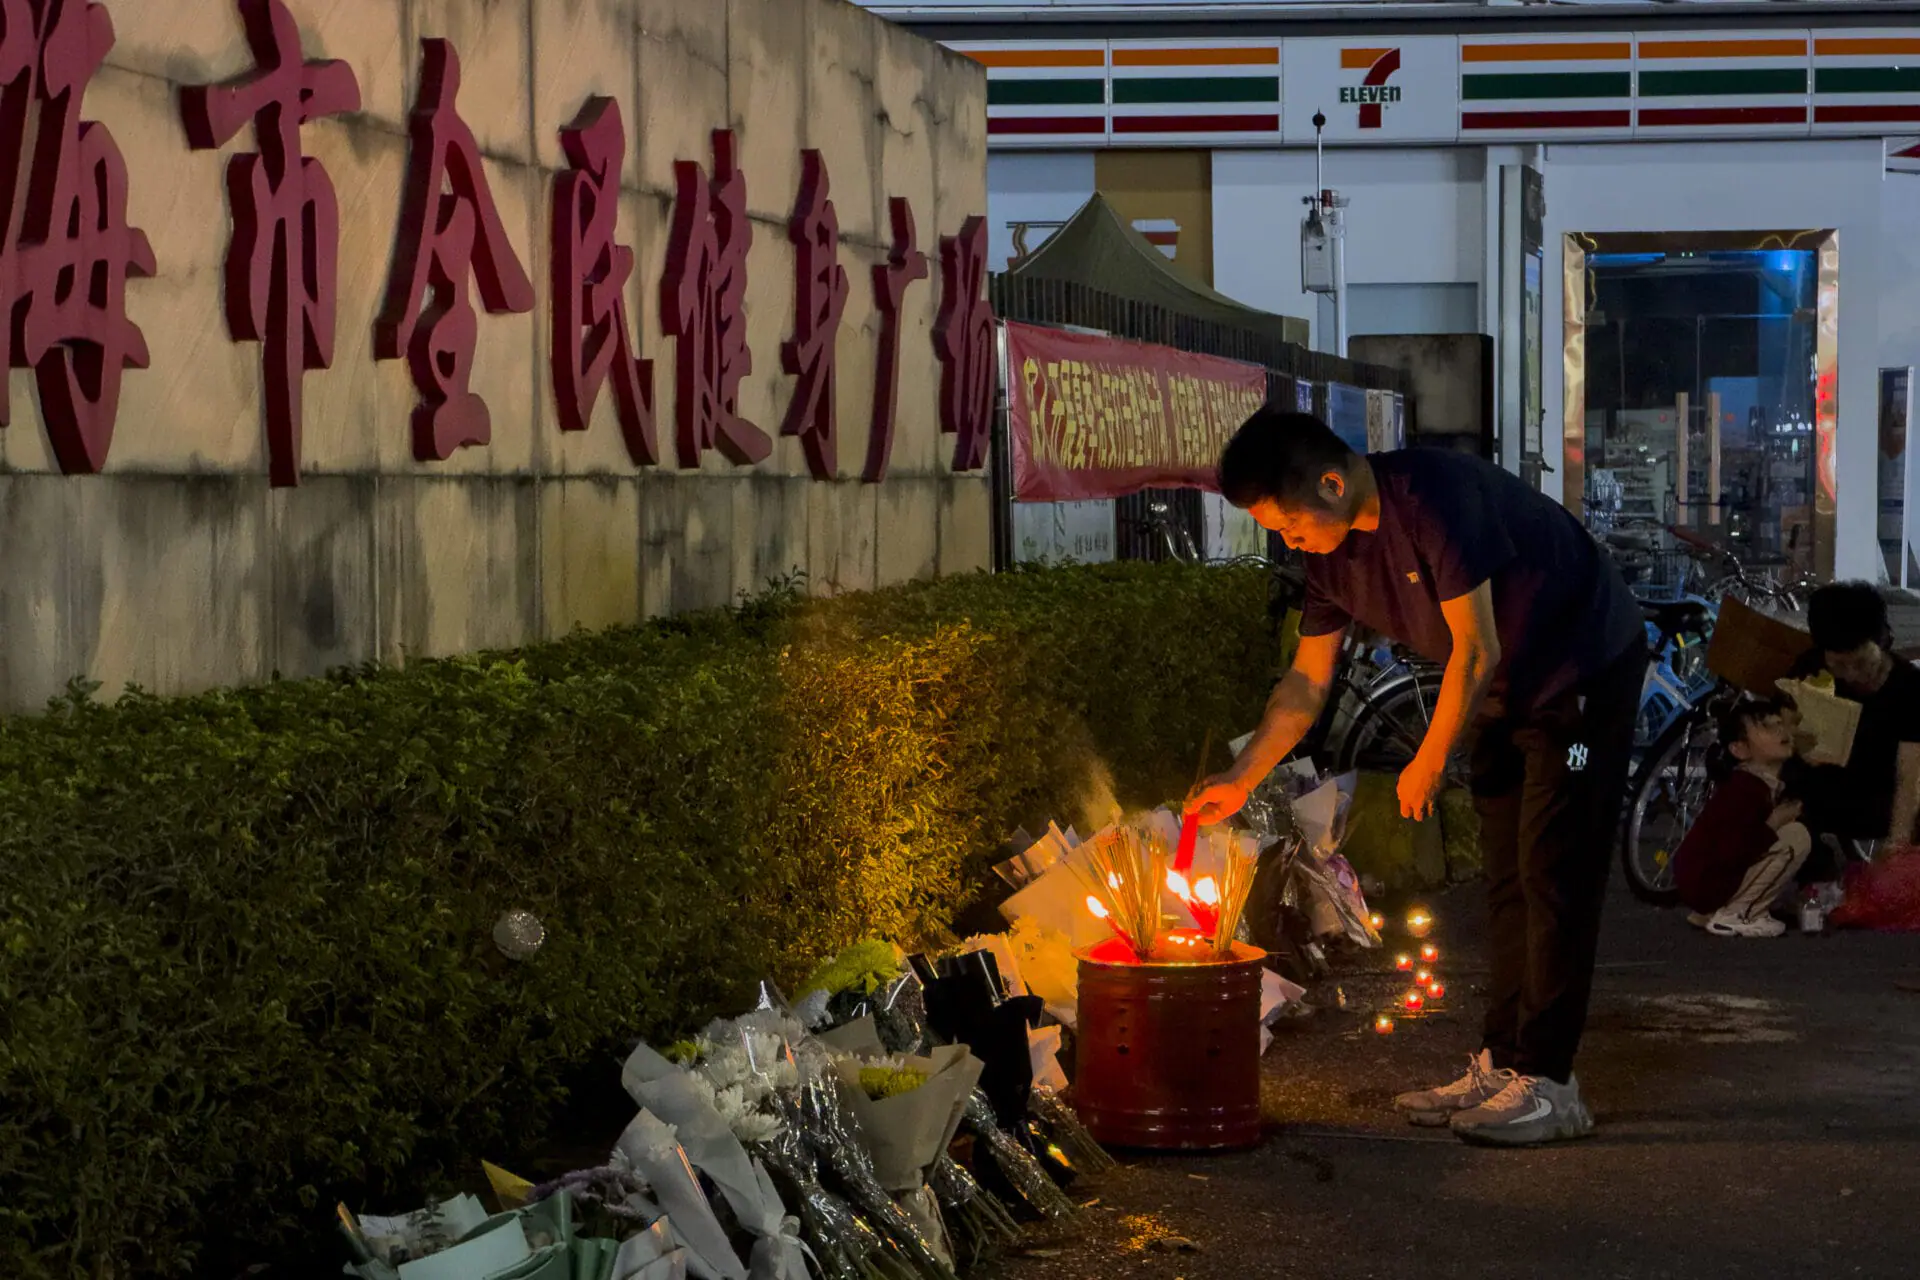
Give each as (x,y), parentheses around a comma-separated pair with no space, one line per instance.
(1096,906)
(1429,953)
(1179,886)
(1113,880)
(1437,990)
(1207,891)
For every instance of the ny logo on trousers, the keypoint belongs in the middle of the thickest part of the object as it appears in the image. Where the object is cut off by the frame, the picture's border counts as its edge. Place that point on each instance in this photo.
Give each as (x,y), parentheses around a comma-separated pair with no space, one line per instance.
(1577,757)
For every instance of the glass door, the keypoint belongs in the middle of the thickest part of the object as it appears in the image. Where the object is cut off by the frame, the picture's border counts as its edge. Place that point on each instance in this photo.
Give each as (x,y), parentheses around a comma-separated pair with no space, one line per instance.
(1700,402)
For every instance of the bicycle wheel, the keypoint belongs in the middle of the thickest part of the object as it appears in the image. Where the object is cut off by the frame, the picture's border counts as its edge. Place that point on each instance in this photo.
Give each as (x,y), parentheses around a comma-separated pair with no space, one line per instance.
(1667,792)
(1387,728)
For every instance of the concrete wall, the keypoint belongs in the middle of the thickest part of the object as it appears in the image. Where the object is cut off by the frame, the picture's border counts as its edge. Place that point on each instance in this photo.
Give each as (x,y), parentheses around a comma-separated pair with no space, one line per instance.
(179,568)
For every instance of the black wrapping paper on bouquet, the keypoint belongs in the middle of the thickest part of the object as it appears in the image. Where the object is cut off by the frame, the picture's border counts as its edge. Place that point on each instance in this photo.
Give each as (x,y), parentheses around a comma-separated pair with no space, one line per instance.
(967,1004)
(1274,922)
(898,1010)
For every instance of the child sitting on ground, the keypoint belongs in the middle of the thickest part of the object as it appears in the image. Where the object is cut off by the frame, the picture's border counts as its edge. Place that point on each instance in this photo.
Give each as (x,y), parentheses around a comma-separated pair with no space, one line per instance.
(1744,849)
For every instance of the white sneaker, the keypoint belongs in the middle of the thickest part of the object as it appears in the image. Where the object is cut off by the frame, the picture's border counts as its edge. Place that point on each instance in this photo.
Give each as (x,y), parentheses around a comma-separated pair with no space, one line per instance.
(1531,1110)
(1731,924)
(1436,1106)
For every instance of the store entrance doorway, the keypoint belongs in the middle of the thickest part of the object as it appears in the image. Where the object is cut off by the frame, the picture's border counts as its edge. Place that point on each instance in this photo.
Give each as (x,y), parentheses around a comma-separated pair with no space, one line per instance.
(1699,391)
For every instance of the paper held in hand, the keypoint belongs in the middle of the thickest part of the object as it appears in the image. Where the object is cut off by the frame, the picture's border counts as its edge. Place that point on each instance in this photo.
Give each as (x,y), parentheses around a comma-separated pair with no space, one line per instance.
(1827,718)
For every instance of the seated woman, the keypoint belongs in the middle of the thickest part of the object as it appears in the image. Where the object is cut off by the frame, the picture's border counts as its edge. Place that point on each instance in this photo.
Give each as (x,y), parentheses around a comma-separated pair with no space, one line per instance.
(1876,794)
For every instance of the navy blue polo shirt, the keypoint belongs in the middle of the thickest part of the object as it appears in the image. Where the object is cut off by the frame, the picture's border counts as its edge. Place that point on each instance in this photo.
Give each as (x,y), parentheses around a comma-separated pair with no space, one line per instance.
(1449,522)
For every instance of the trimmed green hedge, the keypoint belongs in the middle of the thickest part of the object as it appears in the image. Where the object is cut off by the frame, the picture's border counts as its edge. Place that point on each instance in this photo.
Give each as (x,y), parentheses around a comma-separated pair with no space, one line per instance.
(245,957)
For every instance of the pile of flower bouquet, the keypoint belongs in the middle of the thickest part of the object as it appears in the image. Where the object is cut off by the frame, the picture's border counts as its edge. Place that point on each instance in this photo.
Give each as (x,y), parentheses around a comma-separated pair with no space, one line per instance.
(885,1127)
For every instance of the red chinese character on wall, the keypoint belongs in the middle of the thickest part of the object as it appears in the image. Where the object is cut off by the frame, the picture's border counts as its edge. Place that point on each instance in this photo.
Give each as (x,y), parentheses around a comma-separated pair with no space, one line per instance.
(905,264)
(591,340)
(963,338)
(450,236)
(281,263)
(819,302)
(65,247)
(703,304)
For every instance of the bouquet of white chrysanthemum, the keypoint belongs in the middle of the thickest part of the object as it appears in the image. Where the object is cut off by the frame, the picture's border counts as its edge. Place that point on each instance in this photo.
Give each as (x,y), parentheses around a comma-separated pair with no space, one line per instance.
(708,1121)
(747,1071)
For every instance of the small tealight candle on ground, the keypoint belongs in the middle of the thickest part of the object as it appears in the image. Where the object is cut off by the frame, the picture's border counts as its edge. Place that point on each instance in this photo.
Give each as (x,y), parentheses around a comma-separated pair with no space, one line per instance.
(1436,990)
(1383,1024)
(1422,978)
(1419,923)
(1377,921)
(1415,1001)
(1429,953)
(1403,962)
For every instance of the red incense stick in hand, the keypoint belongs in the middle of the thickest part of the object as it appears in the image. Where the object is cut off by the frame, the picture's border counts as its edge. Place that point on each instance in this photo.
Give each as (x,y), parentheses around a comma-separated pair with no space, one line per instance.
(1189,838)
(1190,823)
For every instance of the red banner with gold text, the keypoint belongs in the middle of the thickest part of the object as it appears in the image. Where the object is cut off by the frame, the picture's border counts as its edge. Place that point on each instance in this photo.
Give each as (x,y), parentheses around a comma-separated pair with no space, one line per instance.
(1095,417)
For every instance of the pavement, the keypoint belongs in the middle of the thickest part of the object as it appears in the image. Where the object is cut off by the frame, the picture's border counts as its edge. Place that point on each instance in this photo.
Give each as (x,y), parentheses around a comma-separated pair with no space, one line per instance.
(1759,1111)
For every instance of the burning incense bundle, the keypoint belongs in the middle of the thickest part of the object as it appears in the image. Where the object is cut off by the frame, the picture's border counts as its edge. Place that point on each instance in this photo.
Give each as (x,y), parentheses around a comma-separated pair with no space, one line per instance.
(1236,883)
(1124,872)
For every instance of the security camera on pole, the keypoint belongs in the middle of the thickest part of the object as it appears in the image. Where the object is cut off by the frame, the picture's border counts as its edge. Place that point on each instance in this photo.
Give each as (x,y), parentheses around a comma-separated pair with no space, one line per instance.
(1323,240)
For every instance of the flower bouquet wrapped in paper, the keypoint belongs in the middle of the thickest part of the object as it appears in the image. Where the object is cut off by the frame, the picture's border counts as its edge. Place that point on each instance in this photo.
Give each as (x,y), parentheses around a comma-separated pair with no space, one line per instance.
(757,1053)
(1016,1165)
(968,1004)
(457,1241)
(868,979)
(1048,968)
(976,1221)
(1036,859)
(909,1109)
(836,1136)
(653,1254)
(1063,1125)
(844,1244)
(650,1148)
(704,1112)
(1054,899)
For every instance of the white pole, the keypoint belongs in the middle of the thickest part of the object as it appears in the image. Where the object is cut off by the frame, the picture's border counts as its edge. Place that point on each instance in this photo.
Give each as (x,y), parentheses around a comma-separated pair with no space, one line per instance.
(1331,206)
(1682,463)
(1339,277)
(1910,498)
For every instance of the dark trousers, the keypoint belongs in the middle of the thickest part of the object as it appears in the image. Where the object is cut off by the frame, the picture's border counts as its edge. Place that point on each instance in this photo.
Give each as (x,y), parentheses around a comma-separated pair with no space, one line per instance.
(1548,786)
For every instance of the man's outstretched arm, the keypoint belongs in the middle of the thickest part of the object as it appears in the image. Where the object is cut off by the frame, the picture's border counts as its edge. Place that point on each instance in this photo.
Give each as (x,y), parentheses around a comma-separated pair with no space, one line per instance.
(1291,712)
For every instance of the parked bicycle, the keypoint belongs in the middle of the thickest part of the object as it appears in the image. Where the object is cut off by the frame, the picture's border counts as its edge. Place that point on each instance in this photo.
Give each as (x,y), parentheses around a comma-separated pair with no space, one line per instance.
(1674,775)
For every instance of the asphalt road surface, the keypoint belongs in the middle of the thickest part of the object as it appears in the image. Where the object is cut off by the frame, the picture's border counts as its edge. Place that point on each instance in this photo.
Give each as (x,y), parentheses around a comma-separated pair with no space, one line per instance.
(1759,1111)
